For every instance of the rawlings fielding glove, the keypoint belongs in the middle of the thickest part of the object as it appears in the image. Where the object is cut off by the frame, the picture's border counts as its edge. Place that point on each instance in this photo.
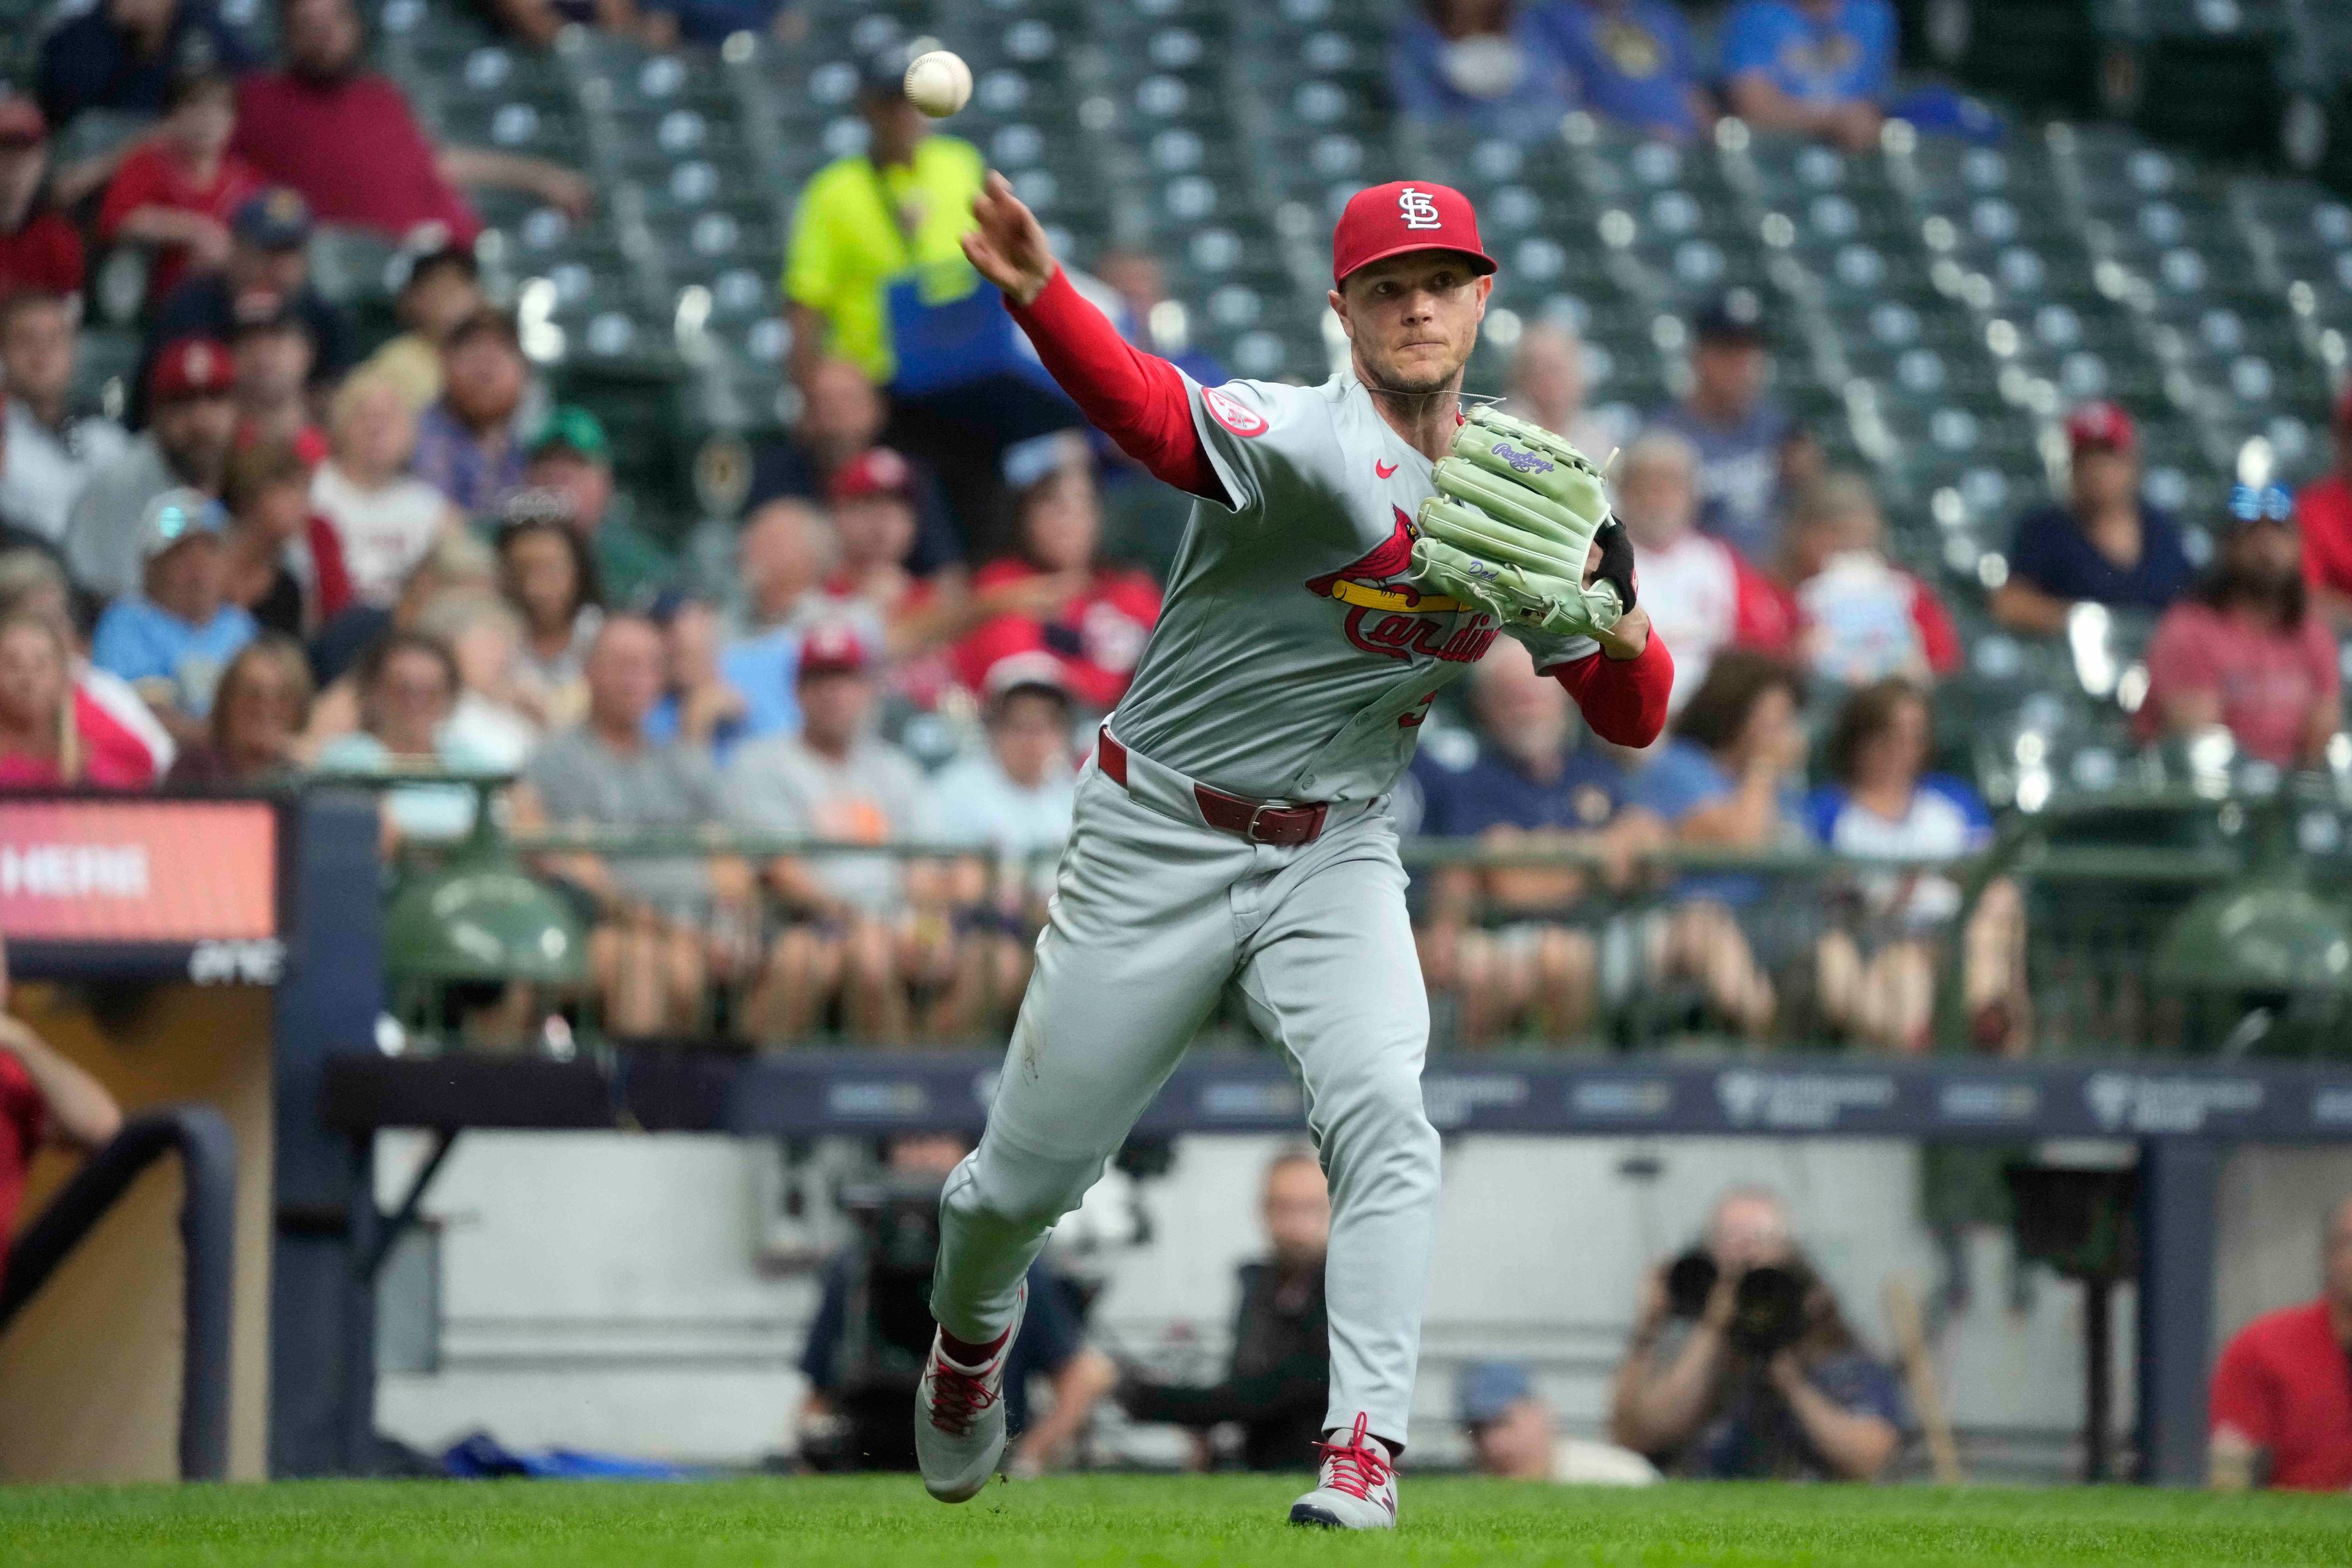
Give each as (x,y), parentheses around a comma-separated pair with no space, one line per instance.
(1512,525)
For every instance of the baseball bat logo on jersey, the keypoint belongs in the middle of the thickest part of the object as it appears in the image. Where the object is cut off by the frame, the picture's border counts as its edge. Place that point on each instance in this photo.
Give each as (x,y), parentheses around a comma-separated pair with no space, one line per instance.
(1364,585)
(1232,413)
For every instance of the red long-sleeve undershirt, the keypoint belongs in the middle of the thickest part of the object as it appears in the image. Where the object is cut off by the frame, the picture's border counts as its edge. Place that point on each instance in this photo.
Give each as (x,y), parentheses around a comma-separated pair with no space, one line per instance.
(1139,400)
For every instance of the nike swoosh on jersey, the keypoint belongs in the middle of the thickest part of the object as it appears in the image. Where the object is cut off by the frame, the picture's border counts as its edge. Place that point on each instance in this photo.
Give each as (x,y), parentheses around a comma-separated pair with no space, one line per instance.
(1383,469)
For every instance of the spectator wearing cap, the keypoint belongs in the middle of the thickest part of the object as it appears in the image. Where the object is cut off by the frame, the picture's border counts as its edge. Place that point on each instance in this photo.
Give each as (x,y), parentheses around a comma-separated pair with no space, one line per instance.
(172,640)
(273,355)
(569,456)
(2247,649)
(1816,67)
(468,445)
(280,560)
(443,287)
(124,55)
(347,139)
(38,247)
(186,443)
(1509,940)
(119,741)
(176,190)
(1011,804)
(268,258)
(1515,1434)
(650,953)
(52,450)
(1749,450)
(842,417)
(1635,62)
(550,579)
(868,219)
(2323,515)
(1092,618)
(865,928)
(1703,594)
(1491,65)
(384,517)
(2104,546)
(782,557)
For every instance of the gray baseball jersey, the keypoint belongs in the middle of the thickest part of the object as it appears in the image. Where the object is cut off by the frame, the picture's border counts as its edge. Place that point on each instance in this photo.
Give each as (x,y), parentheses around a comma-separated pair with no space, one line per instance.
(1294,658)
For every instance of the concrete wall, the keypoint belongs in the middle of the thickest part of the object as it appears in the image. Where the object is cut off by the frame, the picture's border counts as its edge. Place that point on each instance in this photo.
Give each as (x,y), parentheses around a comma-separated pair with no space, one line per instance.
(604,1290)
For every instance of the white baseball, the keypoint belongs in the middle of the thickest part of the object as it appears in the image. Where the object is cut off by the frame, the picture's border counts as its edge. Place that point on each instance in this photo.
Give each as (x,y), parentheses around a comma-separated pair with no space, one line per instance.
(938,83)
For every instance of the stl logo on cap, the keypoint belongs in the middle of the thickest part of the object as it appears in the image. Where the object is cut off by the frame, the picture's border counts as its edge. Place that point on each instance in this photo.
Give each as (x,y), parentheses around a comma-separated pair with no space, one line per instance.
(1418,208)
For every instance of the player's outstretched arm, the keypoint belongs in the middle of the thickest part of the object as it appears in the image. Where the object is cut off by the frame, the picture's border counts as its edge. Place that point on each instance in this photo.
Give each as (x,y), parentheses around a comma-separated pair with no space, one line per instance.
(1139,400)
(1622,696)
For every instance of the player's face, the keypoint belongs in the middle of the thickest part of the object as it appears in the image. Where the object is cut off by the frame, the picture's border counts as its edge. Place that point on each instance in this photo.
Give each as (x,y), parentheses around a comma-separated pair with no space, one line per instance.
(1413,318)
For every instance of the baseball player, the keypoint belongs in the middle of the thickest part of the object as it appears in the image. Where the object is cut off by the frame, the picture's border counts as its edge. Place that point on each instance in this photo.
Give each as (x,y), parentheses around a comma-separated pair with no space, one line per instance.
(1231,831)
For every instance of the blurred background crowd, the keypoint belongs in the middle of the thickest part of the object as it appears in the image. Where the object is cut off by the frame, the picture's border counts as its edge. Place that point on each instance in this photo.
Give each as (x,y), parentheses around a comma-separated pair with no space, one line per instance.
(262,524)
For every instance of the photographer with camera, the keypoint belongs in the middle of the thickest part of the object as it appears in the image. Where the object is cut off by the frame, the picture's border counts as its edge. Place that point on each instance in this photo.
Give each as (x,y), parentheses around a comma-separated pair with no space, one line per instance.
(873,1327)
(1741,1366)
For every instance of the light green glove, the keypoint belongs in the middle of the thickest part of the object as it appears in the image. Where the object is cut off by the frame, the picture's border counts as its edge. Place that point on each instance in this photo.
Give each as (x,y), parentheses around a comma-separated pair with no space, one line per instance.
(1519,598)
(1512,527)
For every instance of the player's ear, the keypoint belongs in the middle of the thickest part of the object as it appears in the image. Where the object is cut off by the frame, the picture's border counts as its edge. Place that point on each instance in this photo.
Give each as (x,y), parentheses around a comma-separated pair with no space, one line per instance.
(1340,308)
(1485,292)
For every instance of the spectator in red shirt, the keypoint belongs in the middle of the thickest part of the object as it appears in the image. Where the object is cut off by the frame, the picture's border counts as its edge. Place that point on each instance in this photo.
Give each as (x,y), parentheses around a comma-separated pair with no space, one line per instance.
(44,1098)
(1096,626)
(2245,651)
(346,138)
(2323,511)
(1850,616)
(38,249)
(2282,1404)
(122,738)
(51,734)
(177,190)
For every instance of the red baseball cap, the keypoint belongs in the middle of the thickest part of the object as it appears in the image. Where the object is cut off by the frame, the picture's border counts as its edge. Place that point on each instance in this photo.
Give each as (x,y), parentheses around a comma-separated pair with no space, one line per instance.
(832,647)
(21,122)
(190,367)
(1401,216)
(2102,425)
(876,471)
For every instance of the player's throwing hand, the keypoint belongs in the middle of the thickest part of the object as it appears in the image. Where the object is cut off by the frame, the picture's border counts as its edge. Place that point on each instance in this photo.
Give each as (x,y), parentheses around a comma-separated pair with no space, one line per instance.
(1009,247)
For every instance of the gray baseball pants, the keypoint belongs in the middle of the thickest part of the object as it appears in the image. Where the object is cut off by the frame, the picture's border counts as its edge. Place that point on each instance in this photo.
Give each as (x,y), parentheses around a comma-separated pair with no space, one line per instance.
(1152,919)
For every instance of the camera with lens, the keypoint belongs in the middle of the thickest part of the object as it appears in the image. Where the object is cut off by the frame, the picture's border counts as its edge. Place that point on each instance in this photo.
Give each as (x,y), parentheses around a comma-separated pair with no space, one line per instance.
(1768,1312)
(887,1331)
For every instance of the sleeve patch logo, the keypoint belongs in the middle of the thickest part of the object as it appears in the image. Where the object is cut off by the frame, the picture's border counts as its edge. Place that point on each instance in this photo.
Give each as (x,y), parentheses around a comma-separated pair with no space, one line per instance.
(1234,414)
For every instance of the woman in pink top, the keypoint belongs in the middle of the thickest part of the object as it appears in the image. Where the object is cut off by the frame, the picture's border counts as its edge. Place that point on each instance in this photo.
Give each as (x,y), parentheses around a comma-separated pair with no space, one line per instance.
(50,735)
(2246,650)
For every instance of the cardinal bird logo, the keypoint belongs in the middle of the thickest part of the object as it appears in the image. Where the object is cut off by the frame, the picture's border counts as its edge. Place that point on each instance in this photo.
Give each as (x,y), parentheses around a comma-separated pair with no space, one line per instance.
(1381,610)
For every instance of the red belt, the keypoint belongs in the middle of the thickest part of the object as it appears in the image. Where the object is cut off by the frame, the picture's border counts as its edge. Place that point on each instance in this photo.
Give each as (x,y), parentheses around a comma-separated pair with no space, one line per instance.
(1256,820)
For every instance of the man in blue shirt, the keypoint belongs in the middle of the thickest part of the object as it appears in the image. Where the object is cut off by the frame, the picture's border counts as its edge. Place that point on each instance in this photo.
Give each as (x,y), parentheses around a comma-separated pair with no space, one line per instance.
(1497,936)
(2105,545)
(172,641)
(1495,68)
(1748,448)
(1817,68)
(1634,62)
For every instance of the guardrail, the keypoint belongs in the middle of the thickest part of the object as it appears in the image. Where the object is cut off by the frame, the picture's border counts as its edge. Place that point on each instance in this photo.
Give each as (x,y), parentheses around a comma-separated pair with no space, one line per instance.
(200,1136)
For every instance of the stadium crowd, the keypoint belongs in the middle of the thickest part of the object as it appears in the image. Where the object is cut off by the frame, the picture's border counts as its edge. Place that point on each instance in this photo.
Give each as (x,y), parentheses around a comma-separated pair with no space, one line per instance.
(295,554)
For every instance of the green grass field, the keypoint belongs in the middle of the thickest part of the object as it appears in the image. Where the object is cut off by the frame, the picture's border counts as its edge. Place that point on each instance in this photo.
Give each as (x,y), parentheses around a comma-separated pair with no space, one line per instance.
(1165,1524)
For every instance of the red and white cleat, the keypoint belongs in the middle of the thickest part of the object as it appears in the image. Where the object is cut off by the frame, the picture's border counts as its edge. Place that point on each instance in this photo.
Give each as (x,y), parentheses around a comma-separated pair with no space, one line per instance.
(1357,1489)
(959,1415)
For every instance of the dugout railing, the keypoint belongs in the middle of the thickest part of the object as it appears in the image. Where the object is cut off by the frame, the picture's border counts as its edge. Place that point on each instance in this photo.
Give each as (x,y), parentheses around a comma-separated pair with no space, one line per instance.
(335,1086)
